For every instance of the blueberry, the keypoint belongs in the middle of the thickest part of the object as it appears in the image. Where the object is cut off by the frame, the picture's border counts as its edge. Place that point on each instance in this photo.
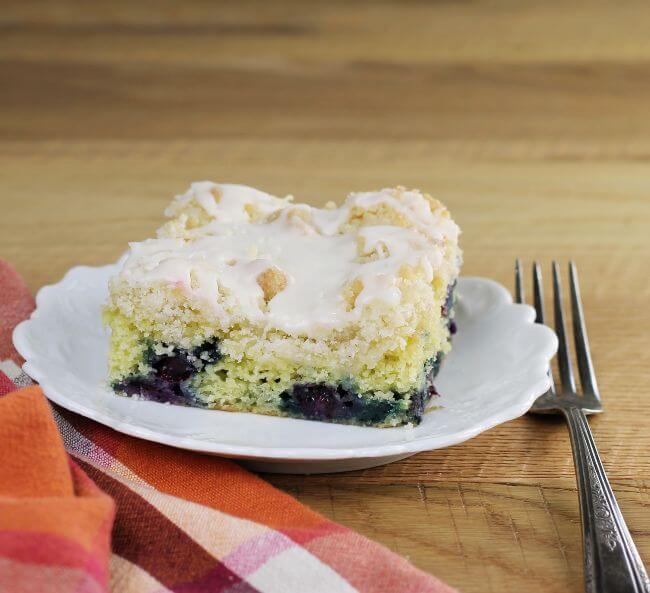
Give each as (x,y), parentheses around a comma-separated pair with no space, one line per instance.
(173,368)
(322,401)
(449,300)
(169,379)
(319,401)
(150,388)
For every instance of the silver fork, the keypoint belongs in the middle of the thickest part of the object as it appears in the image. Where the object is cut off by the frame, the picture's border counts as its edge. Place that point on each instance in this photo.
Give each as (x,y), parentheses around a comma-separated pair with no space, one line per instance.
(612,562)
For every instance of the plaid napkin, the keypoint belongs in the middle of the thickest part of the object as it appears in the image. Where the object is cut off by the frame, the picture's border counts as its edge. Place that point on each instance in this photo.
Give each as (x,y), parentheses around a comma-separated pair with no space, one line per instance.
(126,515)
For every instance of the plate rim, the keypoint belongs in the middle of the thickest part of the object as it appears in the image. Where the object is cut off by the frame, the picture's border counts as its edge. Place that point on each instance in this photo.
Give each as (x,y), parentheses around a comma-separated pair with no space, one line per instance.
(534,389)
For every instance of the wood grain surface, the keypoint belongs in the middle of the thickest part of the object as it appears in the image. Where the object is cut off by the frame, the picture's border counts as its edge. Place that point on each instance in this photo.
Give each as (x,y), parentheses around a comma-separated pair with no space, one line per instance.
(530,120)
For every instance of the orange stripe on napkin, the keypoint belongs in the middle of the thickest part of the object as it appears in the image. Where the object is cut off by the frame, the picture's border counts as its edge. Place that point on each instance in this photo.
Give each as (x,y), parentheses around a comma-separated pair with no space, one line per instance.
(53,519)
(36,460)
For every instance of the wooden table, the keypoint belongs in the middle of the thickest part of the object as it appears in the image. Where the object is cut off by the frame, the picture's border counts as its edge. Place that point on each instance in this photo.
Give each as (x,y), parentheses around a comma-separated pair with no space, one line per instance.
(530,120)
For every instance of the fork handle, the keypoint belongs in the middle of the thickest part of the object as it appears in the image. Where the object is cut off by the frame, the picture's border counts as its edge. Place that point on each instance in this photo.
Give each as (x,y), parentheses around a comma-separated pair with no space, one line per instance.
(612,562)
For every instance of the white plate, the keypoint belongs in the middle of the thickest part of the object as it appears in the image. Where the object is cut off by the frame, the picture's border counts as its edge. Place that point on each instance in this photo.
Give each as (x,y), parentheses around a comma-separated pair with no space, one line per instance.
(494,373)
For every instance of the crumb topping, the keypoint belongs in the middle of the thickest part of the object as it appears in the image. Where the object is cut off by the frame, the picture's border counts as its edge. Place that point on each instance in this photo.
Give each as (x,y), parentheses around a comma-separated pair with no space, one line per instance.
(237,255)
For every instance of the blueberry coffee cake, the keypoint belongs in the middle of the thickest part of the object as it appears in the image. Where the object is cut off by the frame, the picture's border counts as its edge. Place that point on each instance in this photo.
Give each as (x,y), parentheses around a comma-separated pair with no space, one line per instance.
(252,303)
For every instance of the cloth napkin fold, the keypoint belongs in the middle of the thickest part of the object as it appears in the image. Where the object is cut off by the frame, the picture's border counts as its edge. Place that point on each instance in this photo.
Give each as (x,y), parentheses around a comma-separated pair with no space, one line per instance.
(55,524)
(86,509)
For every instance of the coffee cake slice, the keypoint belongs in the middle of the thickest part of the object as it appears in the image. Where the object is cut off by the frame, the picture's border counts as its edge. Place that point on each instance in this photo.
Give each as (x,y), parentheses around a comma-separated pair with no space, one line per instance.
(251,303)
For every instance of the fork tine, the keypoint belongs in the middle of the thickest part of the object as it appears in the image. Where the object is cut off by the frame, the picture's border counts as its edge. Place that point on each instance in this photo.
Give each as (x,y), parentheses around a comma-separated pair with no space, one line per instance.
(563,358)
(519,285)
(538,296)
(585,366)
(537,292)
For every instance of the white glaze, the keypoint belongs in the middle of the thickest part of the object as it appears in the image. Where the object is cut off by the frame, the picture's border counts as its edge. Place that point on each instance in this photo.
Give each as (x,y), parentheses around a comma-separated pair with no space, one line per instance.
(221,261)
